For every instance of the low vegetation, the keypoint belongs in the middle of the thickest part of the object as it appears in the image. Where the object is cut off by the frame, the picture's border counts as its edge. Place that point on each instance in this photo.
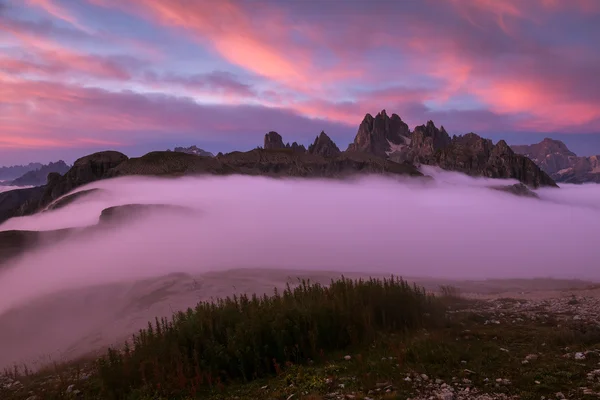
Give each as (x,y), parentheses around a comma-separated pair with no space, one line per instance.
(350,340)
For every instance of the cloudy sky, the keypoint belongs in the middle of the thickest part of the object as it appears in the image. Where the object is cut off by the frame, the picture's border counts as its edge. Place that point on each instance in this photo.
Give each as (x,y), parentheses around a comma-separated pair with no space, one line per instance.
(78,76)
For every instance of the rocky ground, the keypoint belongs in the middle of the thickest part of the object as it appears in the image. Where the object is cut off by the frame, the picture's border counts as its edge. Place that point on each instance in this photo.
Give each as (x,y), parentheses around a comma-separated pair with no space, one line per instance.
(518,343)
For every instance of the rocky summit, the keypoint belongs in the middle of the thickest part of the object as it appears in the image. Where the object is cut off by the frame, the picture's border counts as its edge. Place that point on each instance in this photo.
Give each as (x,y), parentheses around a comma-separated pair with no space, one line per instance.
(324,146)
(470,154)
(381,135)
(273,140)
(554,157)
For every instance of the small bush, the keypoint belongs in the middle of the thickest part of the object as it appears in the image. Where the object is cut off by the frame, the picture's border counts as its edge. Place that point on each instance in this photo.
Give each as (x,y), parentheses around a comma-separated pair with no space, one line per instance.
(249,337)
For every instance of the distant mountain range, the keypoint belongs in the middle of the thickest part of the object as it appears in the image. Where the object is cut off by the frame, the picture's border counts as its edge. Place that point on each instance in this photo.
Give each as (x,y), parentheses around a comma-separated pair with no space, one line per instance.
(383,145)
(560,163)
(10,173)
(38,176)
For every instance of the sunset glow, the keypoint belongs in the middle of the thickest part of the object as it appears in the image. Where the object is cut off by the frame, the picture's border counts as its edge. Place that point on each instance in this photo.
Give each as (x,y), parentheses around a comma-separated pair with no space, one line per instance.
(82,76)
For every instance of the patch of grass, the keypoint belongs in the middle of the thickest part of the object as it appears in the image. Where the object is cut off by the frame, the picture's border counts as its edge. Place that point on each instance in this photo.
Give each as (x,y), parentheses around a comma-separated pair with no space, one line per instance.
(245,338)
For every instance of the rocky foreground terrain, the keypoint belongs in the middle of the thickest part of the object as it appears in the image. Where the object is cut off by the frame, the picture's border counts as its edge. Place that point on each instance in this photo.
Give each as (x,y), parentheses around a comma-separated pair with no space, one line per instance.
(519,339)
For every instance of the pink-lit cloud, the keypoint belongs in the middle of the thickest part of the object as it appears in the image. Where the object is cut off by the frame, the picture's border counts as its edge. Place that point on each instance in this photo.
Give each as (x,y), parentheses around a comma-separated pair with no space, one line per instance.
(483,65)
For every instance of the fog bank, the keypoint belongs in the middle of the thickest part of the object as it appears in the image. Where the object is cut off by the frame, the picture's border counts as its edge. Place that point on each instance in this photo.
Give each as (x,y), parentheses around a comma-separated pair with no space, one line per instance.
(453,227)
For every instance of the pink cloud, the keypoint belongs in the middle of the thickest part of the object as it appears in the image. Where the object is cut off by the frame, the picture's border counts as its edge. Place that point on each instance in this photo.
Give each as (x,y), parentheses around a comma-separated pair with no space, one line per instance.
(517,63)
(57,11)
(48,57)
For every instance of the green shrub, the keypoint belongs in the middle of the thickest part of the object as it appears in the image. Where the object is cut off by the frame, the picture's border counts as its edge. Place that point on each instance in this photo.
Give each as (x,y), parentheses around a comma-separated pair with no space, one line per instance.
(249,337)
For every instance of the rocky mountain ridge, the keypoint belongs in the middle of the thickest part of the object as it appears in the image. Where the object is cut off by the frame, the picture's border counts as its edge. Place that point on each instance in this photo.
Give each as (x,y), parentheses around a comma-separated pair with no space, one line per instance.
(555,158)
(39,176)
(15,171)
(470,154)
(383,145)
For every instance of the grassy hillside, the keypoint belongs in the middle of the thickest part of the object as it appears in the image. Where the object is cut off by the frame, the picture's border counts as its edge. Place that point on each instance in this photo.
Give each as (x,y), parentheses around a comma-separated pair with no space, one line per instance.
(352,340)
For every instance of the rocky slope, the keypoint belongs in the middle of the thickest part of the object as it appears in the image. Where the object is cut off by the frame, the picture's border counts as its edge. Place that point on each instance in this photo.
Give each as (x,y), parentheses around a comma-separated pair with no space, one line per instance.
(39,176)
(560,163)
(470,154)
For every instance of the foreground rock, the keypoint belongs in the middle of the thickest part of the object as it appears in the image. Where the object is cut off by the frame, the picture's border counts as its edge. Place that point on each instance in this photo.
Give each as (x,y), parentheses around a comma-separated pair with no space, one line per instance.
(560,163)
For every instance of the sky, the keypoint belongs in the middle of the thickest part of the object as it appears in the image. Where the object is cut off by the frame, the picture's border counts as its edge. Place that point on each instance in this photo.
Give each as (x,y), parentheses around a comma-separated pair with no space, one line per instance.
(78,76)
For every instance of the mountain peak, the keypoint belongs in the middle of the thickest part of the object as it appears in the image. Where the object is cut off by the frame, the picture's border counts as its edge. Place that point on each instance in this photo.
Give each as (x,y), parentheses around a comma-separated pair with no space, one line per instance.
(324,146)
(381,135)
(273,140)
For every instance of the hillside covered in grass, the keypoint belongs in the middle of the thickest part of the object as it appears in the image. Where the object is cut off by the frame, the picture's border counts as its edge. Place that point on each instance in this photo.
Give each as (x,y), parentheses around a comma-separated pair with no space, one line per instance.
(375,339)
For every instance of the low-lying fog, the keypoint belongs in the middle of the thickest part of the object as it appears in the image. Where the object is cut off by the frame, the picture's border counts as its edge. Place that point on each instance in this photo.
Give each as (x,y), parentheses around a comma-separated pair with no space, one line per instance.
(453,227)
(78,295)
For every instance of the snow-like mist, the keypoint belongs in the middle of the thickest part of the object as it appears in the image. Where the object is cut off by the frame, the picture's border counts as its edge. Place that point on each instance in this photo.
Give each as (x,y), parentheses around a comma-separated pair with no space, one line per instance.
(452,227)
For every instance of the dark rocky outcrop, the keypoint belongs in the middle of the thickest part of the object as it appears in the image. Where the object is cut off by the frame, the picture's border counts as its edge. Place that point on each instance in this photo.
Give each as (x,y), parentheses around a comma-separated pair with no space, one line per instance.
(193,150)
(381,135)
(273,140)
(554,157)
(85,170)
(476,156)
(324,146)
(39,176)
